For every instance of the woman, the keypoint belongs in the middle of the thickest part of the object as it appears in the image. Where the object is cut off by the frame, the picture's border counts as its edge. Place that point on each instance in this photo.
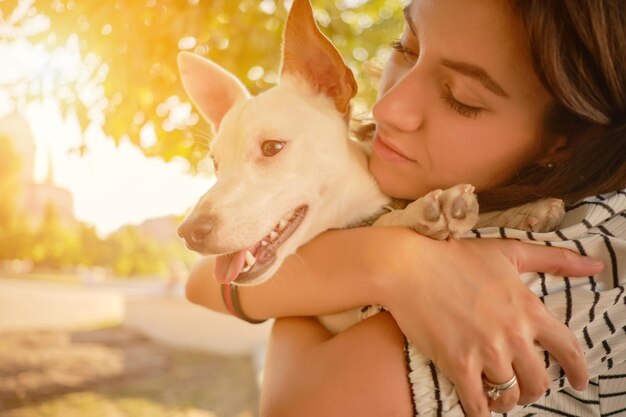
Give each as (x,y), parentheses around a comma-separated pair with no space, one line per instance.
(522,99)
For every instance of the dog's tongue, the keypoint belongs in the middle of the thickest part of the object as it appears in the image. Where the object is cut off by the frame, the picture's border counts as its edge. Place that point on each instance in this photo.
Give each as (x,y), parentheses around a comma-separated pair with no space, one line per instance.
(228,267)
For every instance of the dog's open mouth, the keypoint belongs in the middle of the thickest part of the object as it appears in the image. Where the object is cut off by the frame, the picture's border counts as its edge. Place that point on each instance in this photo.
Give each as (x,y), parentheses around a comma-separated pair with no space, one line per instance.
(249,263)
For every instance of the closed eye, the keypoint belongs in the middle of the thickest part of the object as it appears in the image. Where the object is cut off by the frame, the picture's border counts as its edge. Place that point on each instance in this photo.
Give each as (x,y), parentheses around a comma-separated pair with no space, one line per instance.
(463,109)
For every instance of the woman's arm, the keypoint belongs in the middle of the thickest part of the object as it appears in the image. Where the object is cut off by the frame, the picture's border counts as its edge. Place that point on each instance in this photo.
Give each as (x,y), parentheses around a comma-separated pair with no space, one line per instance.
(310,373)
(460,302)
(343,269)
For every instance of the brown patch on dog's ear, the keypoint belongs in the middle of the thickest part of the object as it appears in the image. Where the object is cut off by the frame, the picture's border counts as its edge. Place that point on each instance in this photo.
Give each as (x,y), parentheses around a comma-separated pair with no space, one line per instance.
(211,88)
(307,53)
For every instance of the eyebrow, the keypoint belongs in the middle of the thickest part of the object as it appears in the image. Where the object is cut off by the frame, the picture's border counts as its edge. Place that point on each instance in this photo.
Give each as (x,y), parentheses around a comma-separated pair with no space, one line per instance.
(477,73)
(464,68)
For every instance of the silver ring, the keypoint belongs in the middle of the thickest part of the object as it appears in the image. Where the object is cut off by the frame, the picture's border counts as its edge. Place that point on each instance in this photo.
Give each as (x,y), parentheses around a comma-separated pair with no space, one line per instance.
(494,390)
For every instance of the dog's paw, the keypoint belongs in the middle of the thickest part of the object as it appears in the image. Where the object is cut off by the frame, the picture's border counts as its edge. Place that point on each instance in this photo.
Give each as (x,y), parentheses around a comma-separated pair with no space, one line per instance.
(460,208)
(426,216)
(442,214)
(543,215)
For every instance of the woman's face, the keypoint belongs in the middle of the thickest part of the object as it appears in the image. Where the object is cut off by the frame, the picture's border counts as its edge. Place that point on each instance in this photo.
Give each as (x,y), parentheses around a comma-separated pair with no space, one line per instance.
(458,102)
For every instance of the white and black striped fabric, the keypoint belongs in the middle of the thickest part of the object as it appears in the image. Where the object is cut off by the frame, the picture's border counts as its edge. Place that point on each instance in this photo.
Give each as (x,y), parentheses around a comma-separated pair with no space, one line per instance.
(594,308)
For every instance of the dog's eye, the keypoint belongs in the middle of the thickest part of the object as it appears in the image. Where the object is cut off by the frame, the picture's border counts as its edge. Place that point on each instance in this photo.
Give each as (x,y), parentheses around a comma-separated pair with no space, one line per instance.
(215,166)
(272,147)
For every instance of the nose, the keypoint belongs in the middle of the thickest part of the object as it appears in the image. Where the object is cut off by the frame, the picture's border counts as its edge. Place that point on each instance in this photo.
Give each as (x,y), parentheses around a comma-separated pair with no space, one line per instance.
(195,231)
(401,106)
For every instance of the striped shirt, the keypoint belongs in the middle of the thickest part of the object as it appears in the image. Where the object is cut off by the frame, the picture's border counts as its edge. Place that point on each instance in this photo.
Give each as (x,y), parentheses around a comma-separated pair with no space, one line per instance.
(594,308)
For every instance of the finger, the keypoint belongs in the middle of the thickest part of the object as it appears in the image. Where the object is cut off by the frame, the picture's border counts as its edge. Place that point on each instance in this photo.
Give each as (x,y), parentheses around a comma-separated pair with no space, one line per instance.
(506,402)
(472,395)
(500,375)
(532,376)
(563,345)
(558,261)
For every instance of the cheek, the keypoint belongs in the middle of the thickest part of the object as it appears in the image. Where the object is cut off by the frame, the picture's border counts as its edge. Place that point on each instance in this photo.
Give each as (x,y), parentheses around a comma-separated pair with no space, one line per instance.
(491,160)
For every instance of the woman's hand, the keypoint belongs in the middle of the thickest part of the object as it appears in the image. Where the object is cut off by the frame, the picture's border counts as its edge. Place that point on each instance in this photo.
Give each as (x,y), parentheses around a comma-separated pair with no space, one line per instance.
(465,307)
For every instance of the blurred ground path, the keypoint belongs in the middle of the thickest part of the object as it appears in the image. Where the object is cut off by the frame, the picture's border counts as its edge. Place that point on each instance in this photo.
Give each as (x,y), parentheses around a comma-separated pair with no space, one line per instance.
(30,304)
(143,305)
(116,372)
(121,345)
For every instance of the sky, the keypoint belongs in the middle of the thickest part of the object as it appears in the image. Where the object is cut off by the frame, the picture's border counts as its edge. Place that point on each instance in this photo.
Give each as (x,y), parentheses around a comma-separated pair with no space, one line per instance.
(112,185)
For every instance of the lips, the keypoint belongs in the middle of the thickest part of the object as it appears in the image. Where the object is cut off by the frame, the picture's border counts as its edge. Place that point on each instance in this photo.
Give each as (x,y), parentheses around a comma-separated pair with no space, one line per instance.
(388,152)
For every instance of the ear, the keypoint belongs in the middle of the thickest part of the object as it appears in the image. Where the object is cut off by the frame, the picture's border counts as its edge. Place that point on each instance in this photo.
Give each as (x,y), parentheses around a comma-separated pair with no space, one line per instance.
(211,88)
(308,54)
(556,152)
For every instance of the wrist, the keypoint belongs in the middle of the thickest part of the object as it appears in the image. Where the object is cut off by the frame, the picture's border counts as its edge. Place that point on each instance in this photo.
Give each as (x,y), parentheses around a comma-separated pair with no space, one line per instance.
(394,263)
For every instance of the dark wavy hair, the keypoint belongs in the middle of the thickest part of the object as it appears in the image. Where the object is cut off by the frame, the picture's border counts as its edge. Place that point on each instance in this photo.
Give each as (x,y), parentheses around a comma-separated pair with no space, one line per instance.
(578,50)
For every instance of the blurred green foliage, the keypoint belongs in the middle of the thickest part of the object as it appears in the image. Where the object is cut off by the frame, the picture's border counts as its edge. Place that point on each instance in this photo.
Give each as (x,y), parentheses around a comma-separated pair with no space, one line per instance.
(12,225)
(130,49)
(10,171)
(53,245)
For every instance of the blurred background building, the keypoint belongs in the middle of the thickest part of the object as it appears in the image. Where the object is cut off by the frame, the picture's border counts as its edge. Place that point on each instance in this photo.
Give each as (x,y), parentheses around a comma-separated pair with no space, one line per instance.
(34,197)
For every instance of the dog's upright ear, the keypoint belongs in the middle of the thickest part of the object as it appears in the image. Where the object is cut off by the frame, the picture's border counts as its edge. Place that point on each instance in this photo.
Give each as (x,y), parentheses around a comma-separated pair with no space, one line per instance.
(308,54)
(211,88)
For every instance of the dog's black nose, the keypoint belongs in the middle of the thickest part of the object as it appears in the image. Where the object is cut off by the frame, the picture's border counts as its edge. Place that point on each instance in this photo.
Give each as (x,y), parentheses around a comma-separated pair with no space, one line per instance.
(195,231)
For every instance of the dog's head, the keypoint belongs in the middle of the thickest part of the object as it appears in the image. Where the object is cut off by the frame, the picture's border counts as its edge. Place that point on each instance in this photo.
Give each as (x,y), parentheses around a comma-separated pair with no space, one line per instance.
(277,154)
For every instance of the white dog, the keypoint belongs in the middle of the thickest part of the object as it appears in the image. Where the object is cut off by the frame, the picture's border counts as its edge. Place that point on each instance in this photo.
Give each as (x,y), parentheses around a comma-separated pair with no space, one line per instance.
(287,169)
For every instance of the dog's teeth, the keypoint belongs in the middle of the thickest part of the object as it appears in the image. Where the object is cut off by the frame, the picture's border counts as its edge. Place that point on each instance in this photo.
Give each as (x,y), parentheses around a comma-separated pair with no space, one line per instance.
(247,268)
(250,259)
(263,243)
(282,224)
(290,215)
(273,235)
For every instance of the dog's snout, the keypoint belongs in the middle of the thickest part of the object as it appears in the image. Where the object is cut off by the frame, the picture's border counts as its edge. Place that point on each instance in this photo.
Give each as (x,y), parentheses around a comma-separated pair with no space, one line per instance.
(195,231)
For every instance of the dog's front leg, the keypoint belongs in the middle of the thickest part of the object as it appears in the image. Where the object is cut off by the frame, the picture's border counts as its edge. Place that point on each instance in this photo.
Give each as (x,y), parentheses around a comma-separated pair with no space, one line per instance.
(543,215)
